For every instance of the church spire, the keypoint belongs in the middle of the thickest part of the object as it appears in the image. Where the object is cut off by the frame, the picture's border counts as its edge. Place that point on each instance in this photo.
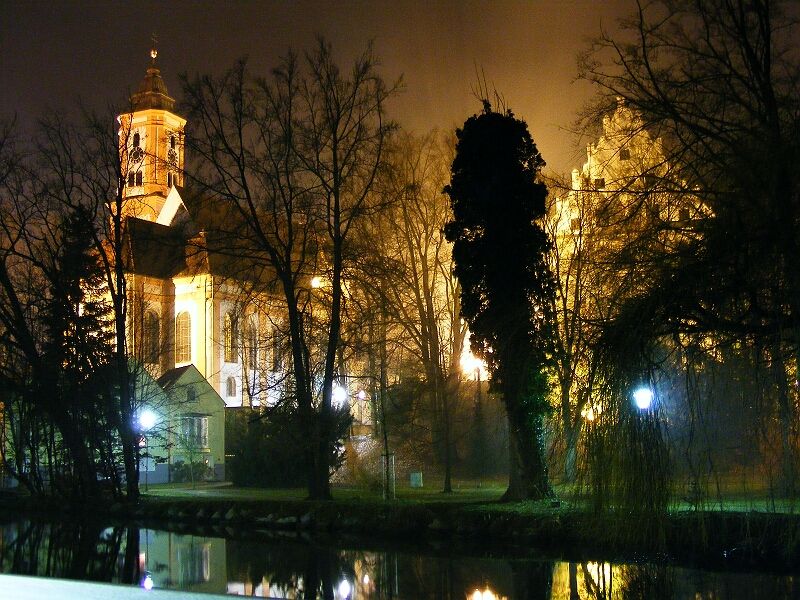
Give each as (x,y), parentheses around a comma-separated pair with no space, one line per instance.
(152,91)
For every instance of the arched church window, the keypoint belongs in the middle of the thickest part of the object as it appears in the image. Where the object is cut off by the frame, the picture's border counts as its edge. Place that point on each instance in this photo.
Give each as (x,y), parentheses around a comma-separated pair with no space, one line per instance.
(230,387)
(152,332)
(172,142)
(183,338)
(230,338)
(138,178)
(137,140)
(251,339)
(169,180)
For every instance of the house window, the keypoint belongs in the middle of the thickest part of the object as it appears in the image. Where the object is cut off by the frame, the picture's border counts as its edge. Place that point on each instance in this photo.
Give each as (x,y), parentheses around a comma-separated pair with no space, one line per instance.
(138,178)
(624,154)
(683,214)
(230,387)
(191,394)
(230,338)
(194,431)
(599,183)
(183,338)
(152,334)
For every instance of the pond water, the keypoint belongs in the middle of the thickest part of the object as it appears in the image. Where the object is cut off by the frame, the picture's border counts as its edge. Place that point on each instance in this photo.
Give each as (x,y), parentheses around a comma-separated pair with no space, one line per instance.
(284,567)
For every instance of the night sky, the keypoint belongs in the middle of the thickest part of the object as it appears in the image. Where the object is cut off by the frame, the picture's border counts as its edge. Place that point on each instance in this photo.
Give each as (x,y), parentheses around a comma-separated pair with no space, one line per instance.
(53,52)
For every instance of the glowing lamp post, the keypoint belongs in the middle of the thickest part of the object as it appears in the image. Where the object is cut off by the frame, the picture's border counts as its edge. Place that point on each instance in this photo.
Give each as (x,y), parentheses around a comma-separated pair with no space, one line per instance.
(338,396)
(147,420)
(643,398)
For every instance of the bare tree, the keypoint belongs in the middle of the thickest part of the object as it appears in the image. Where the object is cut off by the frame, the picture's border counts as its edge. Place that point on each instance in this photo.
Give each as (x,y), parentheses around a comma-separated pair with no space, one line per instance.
(294,158)
(718,82)
(72,172)
(411,263)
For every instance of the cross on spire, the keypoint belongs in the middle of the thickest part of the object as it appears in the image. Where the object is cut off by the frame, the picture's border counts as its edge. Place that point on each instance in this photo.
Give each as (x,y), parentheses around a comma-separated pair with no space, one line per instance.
(154,48)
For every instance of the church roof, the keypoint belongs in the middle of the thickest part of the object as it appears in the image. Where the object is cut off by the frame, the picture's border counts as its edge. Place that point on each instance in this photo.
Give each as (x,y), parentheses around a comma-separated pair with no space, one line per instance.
(152,91)
(154,250)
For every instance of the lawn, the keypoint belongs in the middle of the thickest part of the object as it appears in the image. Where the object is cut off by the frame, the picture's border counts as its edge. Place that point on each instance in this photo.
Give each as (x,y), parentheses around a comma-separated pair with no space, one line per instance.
(732,498)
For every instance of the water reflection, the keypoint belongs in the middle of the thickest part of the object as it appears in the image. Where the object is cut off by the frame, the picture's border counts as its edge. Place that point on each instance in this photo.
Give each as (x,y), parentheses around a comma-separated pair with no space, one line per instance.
(287,568)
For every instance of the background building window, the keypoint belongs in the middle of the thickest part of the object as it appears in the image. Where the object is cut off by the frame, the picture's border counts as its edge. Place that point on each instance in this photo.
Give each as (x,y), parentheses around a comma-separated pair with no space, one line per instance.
(230,338)
(230,387)
(251,339)
(183,338)
(277,359)
(624,154)
(152,333)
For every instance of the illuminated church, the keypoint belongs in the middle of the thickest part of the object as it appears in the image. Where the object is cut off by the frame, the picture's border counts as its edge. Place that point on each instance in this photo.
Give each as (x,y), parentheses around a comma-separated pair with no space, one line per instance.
(188,303)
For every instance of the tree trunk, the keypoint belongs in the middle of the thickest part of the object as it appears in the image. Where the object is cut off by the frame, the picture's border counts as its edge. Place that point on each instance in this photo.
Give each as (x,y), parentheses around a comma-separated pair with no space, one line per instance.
(526,457)
(572,432)
(527,477)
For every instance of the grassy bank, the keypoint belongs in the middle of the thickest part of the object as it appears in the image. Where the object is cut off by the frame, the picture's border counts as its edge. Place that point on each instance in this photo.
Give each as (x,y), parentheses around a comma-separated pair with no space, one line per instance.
(748,534)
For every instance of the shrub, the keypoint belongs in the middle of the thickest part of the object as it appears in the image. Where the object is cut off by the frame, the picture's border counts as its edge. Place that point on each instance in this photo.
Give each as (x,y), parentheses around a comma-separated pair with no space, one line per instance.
(182,472)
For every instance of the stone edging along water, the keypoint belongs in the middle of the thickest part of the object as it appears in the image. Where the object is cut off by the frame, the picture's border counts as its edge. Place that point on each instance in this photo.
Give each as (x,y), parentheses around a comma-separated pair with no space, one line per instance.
(731,540)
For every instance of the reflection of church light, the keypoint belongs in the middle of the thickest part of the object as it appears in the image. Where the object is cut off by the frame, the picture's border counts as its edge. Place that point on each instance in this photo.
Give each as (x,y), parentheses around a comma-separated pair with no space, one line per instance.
(599,572)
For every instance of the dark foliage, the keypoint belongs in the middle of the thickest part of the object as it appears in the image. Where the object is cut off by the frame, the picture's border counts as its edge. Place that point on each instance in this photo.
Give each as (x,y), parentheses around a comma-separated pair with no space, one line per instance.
(266,449)
(500,260)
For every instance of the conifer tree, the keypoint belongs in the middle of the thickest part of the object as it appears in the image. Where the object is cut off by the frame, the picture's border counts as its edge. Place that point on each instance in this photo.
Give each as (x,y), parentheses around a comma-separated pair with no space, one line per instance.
(499,252)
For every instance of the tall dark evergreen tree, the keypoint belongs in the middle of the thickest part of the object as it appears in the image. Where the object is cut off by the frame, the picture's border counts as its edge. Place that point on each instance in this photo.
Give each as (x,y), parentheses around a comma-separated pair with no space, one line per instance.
(76,351)
(499,252)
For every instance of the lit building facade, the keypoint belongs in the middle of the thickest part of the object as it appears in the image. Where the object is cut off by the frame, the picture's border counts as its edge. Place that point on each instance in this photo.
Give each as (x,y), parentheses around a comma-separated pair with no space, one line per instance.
(190,301)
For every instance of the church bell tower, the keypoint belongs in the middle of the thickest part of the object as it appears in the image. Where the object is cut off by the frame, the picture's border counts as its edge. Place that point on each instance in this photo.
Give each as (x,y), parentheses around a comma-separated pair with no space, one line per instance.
(151,146)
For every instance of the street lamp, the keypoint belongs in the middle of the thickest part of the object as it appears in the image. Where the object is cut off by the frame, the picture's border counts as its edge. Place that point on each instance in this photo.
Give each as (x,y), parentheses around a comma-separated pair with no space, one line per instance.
(643,398)
(147,420)
(339,395)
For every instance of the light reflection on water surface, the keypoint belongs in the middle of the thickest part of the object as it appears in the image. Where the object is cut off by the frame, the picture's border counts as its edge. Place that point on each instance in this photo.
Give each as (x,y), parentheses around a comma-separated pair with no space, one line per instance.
(290,569)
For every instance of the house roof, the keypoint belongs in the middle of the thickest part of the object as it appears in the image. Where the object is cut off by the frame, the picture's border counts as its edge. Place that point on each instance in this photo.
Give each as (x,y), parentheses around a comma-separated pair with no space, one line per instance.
(171,377)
